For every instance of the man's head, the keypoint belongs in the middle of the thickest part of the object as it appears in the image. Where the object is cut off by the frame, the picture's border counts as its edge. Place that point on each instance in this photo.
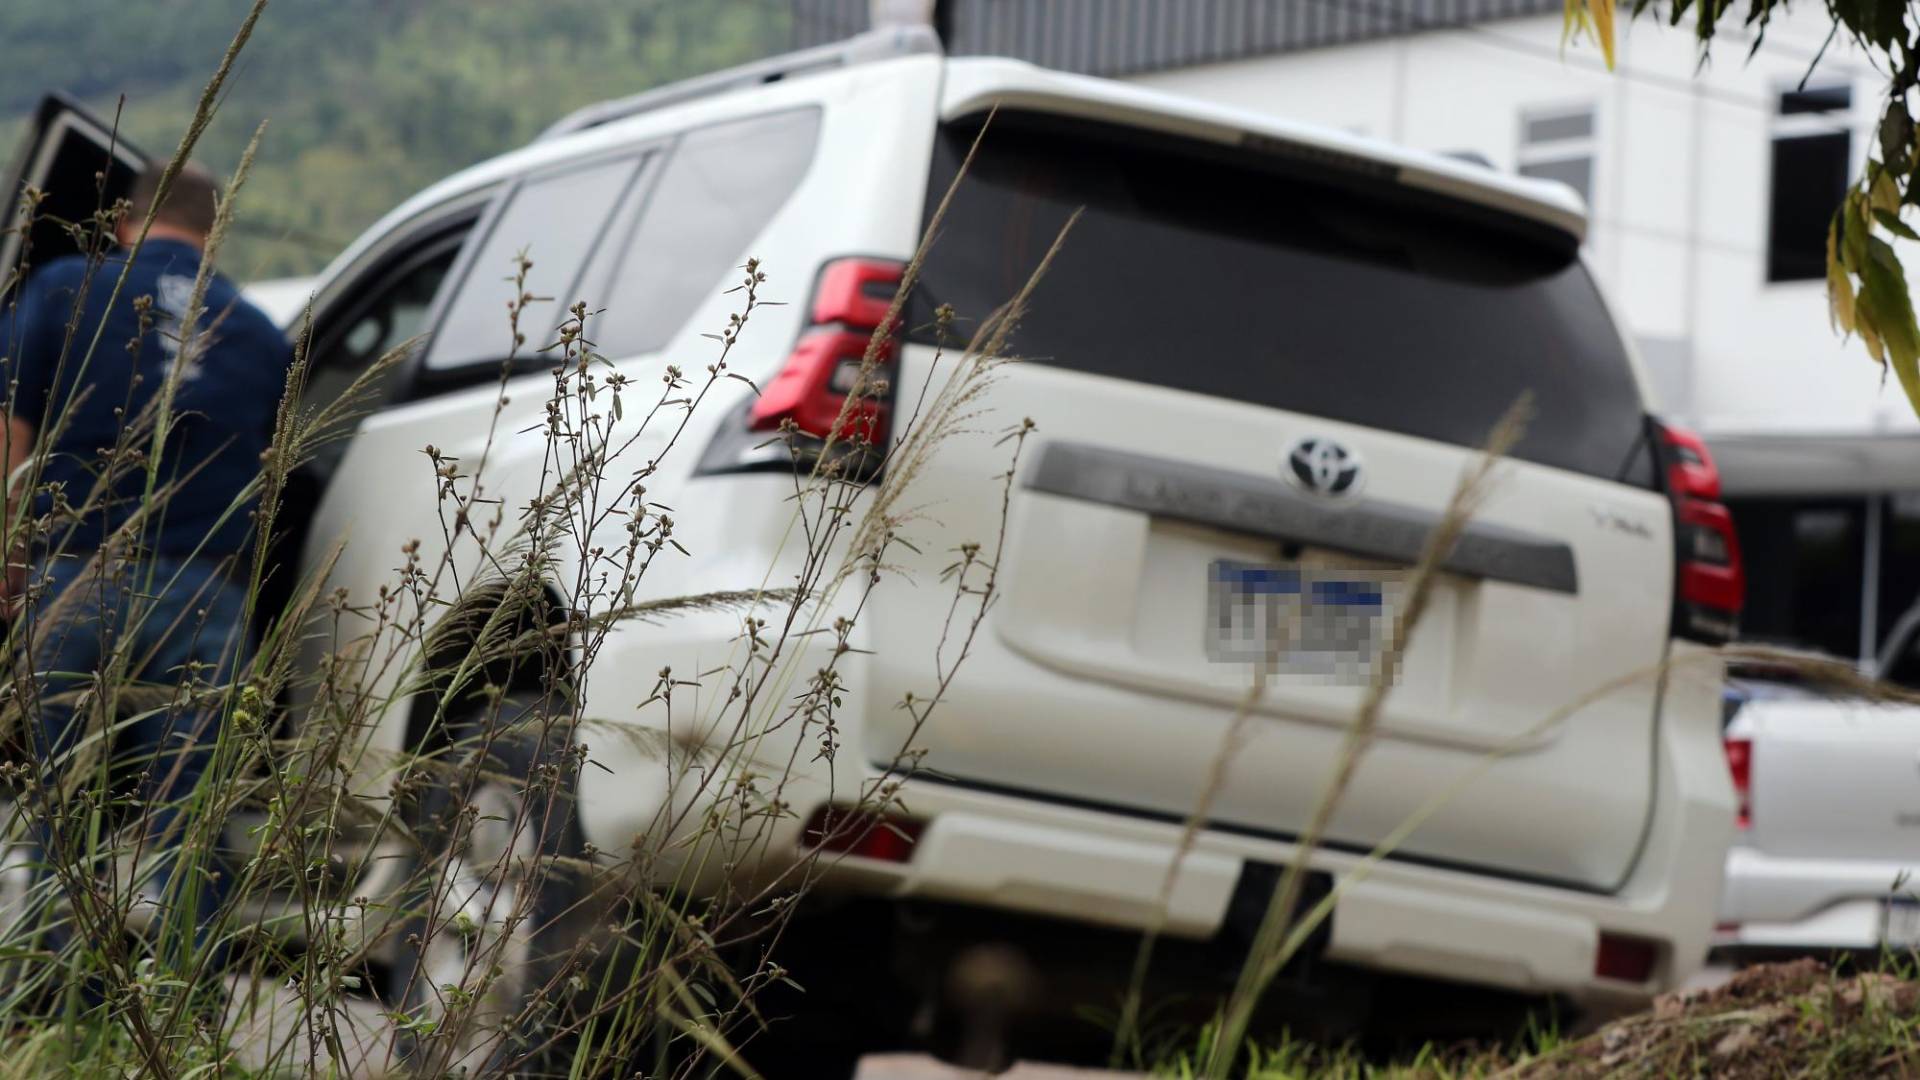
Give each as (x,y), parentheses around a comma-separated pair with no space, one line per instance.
(186,213)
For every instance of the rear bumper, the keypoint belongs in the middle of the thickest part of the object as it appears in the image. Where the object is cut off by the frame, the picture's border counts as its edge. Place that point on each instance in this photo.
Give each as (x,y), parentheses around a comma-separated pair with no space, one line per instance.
(1104,867)
(995,850)
(1774,902)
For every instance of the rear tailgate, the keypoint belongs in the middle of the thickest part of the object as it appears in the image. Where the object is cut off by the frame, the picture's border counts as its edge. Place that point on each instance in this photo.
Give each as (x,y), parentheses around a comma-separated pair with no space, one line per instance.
(1253,373)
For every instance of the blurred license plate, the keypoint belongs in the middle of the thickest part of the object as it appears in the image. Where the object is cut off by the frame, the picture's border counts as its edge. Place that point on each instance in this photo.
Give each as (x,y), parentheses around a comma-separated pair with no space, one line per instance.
(1901,927)
(1331,624)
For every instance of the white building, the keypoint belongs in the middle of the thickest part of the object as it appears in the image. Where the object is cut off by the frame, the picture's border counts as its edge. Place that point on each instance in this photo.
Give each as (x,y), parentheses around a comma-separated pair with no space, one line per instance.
(1709,186)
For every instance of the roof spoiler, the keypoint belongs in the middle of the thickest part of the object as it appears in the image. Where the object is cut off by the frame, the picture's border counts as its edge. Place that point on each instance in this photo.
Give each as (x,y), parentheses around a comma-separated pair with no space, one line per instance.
(880,44)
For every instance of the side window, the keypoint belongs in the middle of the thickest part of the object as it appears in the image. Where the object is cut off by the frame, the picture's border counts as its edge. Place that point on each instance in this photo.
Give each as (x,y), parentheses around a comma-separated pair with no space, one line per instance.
(396,312)
(556,218)
(387,308)
(716,193)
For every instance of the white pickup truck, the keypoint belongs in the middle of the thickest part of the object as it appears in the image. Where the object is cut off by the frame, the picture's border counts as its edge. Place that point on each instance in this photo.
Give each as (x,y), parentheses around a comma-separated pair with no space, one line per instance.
(1829,833)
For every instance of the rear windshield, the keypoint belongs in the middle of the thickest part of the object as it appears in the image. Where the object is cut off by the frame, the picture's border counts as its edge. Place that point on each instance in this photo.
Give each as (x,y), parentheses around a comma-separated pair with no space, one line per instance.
(1249,275)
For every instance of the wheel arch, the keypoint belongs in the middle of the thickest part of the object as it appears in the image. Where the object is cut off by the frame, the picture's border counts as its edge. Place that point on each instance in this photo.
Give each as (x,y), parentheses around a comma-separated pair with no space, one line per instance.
(498,617)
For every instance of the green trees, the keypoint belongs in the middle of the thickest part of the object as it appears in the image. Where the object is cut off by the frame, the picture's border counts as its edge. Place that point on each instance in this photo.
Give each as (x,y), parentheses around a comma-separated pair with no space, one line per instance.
(367,100)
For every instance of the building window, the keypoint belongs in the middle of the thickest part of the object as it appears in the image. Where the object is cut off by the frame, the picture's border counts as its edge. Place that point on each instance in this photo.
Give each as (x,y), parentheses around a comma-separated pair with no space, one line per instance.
(1812,157)
(1558,144)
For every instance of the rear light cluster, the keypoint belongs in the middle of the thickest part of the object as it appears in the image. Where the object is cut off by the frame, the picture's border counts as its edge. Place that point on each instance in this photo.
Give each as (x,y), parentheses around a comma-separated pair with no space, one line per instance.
(1710,583)
(841,830)
(1740,764)
(812,389)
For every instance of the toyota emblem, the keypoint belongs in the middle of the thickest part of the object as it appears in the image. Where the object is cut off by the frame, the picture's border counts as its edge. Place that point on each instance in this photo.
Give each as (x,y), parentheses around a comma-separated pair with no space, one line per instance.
(1324,467)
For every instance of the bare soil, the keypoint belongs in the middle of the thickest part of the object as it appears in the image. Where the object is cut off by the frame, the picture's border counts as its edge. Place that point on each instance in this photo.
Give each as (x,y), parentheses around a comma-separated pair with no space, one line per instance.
(1797,1019)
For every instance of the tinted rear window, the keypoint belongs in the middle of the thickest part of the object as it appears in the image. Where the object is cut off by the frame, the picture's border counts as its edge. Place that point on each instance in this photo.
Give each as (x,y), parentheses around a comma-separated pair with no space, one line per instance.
(1246,275)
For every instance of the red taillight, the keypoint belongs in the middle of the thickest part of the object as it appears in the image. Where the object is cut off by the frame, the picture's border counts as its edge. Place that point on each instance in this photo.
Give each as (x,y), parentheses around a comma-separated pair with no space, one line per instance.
(1740,765)
(1710,572)
(1628,959)
(856,292)
(811,389)
(1690,468)
(1710,581)
(863,833)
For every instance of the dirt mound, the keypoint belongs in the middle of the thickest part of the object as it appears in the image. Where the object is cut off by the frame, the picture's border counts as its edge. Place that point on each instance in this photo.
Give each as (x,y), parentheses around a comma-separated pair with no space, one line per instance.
(1774,1020)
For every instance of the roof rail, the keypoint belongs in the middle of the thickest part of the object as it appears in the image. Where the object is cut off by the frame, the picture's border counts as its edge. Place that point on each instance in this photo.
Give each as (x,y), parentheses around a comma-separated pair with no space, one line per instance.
(879,44)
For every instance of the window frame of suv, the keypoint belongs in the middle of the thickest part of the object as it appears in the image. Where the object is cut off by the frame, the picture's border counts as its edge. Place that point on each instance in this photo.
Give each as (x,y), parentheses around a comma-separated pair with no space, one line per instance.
(451,231)
(349,293)
(422,380)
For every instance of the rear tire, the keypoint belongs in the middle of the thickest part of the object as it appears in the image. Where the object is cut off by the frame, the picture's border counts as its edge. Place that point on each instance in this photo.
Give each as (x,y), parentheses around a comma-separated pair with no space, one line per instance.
(484,941)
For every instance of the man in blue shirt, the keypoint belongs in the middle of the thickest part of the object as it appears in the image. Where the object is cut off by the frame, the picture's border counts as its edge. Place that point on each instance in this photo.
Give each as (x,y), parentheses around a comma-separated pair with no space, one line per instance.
(137,559)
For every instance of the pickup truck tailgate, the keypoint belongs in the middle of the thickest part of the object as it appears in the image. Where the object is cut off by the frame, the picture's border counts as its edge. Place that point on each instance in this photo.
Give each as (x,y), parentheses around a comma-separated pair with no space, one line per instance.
(1834,780)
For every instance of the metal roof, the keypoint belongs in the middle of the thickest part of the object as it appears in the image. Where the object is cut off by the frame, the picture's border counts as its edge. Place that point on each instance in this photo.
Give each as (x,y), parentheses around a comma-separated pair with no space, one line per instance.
(1126,37)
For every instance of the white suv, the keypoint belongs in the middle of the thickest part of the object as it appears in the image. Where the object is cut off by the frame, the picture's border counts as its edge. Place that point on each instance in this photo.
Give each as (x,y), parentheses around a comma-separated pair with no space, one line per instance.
(1257,366)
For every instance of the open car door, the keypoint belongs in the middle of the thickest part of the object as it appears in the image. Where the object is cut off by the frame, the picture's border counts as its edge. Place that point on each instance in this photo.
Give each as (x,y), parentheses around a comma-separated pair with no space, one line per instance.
(80,164)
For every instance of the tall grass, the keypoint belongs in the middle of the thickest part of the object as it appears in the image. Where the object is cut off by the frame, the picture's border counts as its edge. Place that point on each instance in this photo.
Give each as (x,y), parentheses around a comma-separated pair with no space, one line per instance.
(446,883)
(429,903)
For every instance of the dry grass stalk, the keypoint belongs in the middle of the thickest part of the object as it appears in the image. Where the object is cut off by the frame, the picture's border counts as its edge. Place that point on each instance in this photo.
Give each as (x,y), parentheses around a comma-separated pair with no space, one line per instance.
(462,629)
(1269,954)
